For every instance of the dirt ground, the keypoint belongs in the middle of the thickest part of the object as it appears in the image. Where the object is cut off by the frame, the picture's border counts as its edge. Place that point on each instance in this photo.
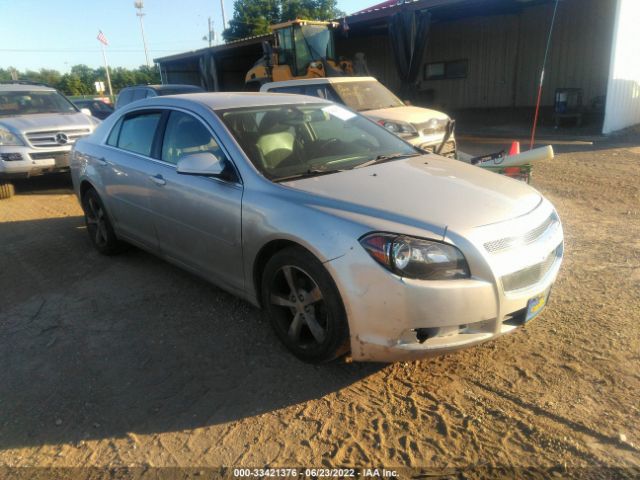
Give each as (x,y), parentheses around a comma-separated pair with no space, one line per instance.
(129,362)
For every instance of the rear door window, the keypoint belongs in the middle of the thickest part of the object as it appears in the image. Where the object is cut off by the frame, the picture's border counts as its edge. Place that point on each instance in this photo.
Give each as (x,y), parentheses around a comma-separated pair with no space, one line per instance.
(137,132)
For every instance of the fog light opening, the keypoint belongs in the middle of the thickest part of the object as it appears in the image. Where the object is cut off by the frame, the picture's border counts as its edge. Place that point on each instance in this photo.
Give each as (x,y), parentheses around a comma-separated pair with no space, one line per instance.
(424,334)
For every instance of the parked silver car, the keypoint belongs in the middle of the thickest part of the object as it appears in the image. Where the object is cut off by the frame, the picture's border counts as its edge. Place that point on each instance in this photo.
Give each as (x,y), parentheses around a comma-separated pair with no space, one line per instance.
(346,235)
(38,126)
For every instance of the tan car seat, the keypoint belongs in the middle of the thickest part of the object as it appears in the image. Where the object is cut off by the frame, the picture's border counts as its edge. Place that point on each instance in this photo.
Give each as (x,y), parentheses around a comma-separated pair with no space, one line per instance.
(276,141)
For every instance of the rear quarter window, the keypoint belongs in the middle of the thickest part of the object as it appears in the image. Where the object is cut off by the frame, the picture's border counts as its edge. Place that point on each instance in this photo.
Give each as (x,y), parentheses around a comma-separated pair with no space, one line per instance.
(112,139)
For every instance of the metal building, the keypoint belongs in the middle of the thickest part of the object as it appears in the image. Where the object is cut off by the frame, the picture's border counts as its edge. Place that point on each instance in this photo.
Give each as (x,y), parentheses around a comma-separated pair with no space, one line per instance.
(473,54)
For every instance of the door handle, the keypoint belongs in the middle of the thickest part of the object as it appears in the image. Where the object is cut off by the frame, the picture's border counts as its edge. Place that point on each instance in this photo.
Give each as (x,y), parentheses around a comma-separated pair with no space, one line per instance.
(158,179)
(102,162)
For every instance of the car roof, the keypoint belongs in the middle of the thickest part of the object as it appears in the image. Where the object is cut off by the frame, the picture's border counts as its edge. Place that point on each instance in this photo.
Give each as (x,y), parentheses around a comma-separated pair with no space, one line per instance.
(225,100)
(316,81)
(24,87)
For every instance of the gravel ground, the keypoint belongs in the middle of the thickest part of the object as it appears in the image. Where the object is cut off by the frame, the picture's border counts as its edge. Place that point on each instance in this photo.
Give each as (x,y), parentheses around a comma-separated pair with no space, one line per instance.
(129,362)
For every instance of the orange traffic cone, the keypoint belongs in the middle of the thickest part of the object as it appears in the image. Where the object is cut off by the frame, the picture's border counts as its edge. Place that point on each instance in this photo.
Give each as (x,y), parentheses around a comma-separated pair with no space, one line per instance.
(515,148)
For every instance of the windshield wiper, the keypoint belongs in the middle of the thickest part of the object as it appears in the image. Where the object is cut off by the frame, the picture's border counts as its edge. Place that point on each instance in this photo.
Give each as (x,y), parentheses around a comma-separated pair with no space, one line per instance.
(386,158)
(312,172)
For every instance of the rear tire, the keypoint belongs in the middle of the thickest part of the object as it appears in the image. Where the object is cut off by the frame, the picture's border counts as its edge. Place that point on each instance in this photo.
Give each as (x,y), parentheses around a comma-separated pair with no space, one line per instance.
(99,225)
(6,190)
(304,306)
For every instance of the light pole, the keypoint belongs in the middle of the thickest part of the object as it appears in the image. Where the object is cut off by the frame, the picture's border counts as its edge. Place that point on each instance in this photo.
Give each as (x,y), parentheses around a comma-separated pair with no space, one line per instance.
(224,18)
(139,4)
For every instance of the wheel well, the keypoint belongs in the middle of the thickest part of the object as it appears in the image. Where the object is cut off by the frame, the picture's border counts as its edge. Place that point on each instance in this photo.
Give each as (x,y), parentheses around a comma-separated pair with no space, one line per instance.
(265,253)
(84,186)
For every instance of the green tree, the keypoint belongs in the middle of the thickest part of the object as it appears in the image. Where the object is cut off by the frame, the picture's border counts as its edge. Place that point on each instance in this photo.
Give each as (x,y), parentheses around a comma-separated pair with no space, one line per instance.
(71,84)
(81,80)
(49,76)
(147,75)
(5,74)
(253,17)
(310,10)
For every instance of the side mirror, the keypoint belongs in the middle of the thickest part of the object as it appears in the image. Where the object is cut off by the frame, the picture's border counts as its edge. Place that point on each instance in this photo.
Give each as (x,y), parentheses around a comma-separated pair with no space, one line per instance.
(86,111)
(204,163)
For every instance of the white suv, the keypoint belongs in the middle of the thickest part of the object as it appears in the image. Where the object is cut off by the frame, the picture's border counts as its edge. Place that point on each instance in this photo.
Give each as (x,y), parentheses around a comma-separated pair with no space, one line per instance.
(427,129)
(38,127)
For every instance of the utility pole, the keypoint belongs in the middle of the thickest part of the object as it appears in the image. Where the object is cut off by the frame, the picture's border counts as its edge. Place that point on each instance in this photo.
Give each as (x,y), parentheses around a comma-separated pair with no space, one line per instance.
(139,4)
(106,68)
(210,32)
(103,43)
(224,18)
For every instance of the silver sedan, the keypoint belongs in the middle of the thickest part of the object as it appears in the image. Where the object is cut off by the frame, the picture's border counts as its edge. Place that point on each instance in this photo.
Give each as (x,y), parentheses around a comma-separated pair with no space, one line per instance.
(349,238)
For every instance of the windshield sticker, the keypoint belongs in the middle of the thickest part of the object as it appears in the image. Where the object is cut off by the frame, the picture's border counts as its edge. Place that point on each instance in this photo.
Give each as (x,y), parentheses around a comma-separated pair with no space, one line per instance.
(341,113)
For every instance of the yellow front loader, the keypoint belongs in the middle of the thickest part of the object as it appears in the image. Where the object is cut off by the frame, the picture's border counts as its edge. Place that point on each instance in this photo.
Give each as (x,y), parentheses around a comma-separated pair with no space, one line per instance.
(299,49)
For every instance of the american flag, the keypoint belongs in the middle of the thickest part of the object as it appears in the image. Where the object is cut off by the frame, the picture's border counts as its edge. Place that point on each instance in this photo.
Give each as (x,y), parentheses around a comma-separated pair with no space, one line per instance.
(101,38)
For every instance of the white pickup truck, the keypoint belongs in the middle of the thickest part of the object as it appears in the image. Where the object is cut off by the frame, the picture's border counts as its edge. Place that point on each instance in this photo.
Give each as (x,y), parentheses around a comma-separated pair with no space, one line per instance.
(428,129)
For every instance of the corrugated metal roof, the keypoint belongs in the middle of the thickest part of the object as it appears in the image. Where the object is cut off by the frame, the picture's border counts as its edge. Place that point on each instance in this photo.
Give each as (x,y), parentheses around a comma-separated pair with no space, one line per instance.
(218,48)
(387,4)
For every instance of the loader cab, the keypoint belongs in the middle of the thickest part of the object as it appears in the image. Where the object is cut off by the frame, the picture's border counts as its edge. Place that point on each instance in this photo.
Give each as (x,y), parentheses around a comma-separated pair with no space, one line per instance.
(301,42)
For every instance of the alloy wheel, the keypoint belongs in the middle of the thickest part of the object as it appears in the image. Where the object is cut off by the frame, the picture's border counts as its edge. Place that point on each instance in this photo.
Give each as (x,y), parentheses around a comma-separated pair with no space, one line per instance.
(96,222)
(303,315)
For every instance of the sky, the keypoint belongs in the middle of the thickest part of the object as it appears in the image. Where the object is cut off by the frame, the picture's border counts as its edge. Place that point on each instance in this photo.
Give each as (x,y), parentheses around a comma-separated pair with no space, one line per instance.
(58,34)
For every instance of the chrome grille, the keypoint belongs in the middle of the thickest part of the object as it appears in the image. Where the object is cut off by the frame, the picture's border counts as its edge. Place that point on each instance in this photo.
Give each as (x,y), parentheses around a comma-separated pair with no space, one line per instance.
(525,239)
(531,275)
(47,138)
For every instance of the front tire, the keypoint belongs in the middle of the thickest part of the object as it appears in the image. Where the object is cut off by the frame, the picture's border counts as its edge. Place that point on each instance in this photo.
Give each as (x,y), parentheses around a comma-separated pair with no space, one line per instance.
(304,306)
(98,224)
(6,190)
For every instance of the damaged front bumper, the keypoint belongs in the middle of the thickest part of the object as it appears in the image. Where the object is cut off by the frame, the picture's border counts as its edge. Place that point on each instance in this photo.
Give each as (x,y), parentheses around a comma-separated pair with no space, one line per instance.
(393,318)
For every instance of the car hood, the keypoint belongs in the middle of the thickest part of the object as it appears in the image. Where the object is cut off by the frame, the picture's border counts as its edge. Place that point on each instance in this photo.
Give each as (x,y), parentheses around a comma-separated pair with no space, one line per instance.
(425,190)
(415,115)
(47,121)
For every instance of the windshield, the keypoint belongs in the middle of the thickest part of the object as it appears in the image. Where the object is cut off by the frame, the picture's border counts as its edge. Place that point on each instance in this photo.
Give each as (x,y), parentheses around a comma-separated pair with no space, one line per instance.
(367,95)
(27,103)
(288,141)
(312,42)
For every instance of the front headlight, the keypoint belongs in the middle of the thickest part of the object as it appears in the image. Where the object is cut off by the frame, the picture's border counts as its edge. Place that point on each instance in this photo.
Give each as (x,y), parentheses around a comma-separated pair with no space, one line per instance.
(415,257)
(401,129)
(435,126)
(8,138)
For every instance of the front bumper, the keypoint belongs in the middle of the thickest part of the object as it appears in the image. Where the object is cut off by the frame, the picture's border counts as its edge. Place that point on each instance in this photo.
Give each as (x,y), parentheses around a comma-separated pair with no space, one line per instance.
(393,318)
(25,162)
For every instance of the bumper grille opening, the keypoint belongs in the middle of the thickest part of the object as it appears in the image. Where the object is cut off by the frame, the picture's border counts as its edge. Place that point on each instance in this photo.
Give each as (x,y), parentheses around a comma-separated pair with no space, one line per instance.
(424,334)
(11,157)
(516,319)
(525,239)
(531,275)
